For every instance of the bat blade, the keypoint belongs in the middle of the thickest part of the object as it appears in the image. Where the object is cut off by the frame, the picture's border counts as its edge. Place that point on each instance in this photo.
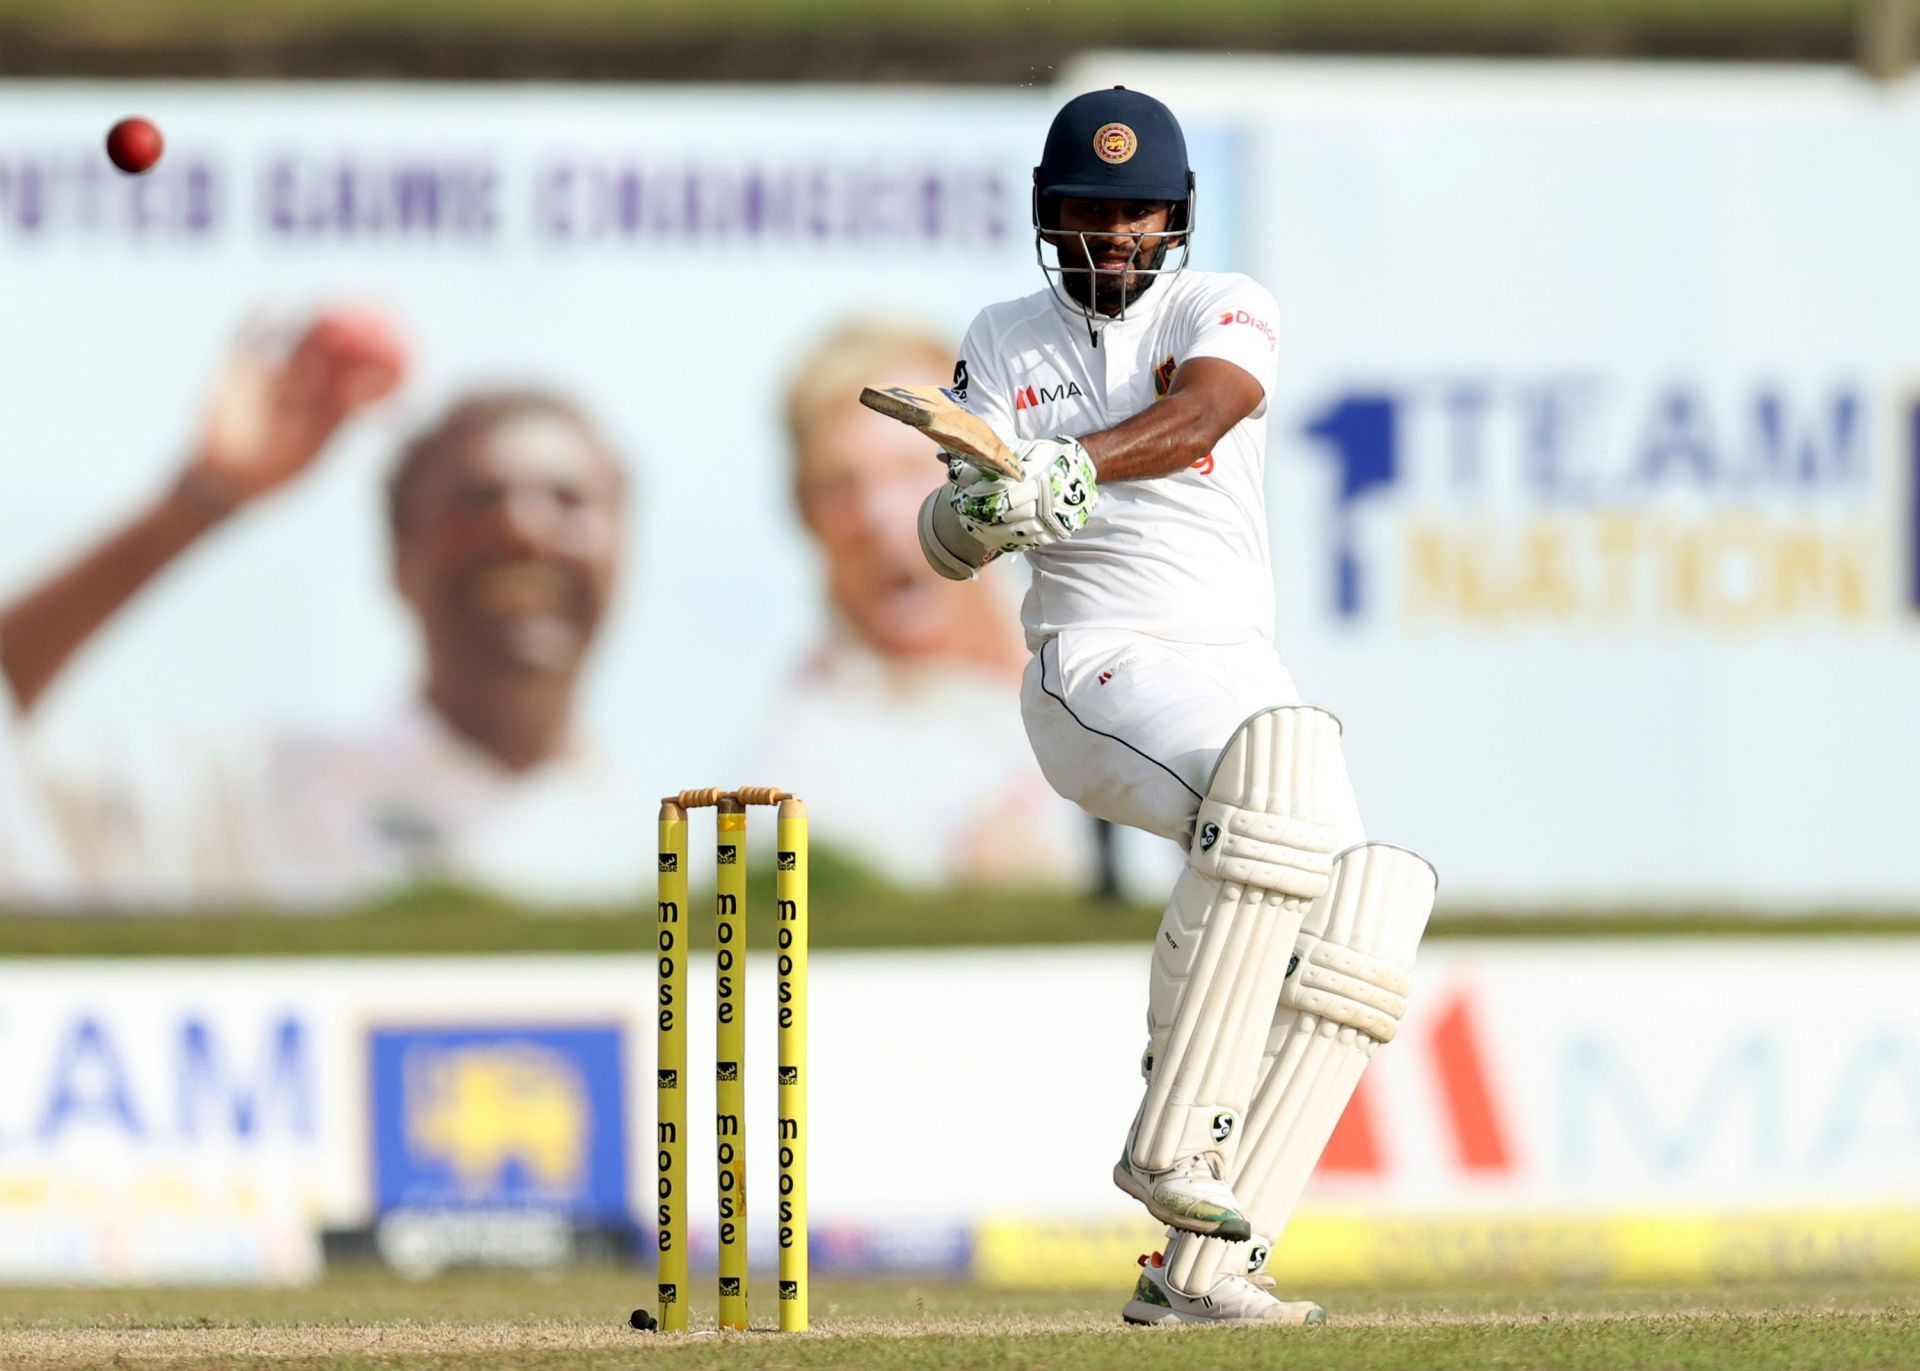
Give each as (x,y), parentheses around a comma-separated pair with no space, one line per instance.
(934,411)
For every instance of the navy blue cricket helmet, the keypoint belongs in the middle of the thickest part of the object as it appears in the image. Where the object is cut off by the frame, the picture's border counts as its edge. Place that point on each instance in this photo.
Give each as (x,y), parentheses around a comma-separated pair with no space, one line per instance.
(1116,144)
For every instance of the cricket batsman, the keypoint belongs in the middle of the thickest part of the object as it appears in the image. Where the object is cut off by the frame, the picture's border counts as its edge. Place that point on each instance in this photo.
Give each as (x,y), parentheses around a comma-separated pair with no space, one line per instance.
(1134,392)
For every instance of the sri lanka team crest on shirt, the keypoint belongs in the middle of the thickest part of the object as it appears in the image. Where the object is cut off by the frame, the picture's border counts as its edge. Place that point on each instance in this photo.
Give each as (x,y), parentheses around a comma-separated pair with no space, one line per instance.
(1162,383)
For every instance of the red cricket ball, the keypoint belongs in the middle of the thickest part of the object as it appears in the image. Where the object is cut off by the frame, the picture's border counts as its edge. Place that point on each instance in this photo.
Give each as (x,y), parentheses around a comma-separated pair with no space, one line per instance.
(134,145)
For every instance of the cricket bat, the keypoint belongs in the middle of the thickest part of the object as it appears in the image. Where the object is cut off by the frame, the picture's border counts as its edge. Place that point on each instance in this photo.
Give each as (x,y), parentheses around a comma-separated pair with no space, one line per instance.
(934,411)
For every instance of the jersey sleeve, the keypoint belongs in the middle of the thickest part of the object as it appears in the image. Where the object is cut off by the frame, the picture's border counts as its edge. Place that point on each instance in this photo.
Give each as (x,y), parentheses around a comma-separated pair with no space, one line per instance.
(979,382)
(1237,321)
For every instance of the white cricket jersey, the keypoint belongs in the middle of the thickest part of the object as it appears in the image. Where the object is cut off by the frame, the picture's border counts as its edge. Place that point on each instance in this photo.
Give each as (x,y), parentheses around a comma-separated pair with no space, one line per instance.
(1183,556)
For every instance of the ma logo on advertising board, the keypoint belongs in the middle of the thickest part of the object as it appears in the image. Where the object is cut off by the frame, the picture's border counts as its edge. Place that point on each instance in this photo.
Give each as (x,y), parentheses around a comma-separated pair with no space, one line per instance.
(500,1118)
(1596,501)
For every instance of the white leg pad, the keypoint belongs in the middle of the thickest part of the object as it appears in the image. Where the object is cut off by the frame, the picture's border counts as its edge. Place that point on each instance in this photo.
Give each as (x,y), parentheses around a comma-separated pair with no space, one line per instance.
(1344,997)
(1262,850)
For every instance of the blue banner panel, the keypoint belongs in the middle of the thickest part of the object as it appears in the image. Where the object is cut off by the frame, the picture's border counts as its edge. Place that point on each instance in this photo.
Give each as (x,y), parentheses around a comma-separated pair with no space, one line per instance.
(500,1117)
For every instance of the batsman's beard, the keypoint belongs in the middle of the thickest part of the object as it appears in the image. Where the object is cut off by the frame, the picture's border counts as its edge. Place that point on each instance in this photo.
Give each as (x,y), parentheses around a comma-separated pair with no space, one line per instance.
(1110,289)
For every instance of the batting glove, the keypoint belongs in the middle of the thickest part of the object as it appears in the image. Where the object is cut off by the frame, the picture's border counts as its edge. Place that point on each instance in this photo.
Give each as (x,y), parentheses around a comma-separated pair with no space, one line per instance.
(1052,501)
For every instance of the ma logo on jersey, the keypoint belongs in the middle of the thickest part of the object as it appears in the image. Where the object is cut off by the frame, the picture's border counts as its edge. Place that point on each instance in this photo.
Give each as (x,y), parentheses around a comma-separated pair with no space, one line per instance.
(1600,501)
(1032,397)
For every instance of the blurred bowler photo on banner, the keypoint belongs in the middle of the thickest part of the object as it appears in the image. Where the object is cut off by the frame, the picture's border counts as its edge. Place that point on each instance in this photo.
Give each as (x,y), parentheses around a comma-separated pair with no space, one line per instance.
(908,659)
(507,523)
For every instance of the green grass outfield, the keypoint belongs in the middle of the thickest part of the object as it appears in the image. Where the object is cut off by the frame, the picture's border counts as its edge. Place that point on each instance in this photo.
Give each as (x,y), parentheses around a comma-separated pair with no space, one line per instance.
(360,1320)
(850,909)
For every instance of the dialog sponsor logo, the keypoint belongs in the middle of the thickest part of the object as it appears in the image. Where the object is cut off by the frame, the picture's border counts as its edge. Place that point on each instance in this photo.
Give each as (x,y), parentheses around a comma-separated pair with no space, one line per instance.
(1252,321)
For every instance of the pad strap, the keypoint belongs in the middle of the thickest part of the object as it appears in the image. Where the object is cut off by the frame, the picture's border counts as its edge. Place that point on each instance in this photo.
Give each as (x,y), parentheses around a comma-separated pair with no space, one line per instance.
(1277,852)
(1347,988)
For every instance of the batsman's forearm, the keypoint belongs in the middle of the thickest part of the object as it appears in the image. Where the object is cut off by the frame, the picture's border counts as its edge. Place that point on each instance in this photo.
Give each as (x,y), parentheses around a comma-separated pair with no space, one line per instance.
(1164,438)
(42,629)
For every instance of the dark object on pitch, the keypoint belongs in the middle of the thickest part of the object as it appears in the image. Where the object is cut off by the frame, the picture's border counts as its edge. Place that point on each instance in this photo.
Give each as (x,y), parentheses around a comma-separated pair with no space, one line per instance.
(643,1321)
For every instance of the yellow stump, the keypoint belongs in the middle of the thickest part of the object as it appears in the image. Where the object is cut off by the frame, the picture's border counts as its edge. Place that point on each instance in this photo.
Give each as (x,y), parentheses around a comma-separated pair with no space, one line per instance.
(790,942)
(670,1090)
(730,1056)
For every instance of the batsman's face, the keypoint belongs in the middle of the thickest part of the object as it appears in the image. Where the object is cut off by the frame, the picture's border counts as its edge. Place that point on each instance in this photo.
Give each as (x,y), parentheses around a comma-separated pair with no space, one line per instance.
(511,546)
(860,485)
(1104,244)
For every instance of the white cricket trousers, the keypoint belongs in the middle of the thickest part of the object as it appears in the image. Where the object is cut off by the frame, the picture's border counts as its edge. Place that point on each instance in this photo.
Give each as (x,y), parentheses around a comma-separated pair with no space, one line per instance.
(1128,726)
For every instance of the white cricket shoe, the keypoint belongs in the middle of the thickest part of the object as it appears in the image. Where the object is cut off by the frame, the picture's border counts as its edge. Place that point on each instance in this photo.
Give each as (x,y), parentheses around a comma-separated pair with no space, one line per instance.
(1189,1195)
(1233,1299)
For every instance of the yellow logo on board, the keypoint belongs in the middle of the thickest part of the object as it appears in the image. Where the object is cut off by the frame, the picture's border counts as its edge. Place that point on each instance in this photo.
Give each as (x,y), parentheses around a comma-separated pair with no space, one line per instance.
(481,1108)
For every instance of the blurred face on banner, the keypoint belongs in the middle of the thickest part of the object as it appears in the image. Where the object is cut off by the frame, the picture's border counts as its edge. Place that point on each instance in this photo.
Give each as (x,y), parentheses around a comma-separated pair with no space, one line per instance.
(508,524)
(860,479)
